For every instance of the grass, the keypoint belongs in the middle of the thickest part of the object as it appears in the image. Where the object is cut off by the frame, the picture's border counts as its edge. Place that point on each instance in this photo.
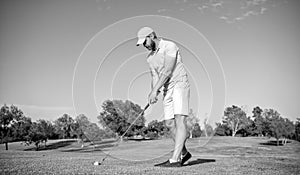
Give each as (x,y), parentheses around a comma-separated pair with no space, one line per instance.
(216,155)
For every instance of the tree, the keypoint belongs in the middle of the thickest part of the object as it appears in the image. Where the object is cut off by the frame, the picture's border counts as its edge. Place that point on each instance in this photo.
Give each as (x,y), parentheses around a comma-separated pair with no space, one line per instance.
(192,120)
(196,132)
(235,118)
(8,117)
(80,126)
(289,130)
(36,135)
(21,128)
(248,129)
(156,129)
(46,128)
(208,129)
(297,129)
(63,126)
(259,122)
(222,130)
(86,130)
(108,133)
(39,132)
(131,111)
(109,118)
(118,116)
(276,123)
(94,132)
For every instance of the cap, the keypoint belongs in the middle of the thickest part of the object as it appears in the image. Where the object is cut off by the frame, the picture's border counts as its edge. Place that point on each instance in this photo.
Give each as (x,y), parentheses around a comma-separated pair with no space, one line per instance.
(142,34)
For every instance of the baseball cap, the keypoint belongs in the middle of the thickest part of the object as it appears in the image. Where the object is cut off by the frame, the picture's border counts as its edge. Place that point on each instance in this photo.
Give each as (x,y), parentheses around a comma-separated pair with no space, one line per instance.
(142,34)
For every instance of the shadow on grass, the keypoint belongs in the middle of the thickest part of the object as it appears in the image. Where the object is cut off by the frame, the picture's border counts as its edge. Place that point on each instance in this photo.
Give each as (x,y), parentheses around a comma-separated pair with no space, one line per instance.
(98,146)
(199,161)
(274,143)
(139,139)
(51,146)
(104,142)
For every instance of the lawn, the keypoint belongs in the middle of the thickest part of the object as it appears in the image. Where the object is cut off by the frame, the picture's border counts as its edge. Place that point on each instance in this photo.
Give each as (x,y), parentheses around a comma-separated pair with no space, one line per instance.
(216,155)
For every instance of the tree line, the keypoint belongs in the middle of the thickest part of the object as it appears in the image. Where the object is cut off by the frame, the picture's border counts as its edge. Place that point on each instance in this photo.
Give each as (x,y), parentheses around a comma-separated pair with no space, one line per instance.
(267,122)
(117,115)
(15,126)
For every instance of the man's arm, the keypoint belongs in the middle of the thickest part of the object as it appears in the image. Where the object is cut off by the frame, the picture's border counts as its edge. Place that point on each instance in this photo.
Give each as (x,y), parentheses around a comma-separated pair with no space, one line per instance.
(154,77)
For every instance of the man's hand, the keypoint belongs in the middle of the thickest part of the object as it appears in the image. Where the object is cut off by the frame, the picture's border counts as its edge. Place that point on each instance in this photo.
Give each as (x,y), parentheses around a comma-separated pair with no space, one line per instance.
(152,97)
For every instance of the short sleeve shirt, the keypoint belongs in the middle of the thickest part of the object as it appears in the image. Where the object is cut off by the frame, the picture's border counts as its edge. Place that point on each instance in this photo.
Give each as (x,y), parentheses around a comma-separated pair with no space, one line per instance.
(156,59)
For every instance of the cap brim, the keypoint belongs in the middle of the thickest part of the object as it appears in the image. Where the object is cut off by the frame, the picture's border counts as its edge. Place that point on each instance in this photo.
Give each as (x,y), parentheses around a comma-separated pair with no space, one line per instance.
(140,41)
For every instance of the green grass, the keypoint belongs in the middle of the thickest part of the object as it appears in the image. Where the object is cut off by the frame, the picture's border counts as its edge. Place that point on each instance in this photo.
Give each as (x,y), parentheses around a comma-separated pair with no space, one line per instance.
(216,155)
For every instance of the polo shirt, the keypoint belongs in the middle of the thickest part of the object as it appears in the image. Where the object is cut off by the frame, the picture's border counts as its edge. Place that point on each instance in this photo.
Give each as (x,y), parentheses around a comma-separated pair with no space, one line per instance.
(156,60)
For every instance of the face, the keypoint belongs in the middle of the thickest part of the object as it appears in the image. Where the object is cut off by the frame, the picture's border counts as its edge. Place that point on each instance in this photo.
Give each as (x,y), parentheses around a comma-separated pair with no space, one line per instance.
(149,43)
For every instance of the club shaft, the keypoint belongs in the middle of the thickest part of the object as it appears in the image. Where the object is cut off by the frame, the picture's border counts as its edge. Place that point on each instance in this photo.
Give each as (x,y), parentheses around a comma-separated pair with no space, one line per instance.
(140,114)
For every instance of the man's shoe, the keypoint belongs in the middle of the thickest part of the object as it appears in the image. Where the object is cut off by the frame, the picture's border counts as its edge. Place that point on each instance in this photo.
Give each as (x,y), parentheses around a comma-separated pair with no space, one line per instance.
(186,157)
(161,163)
(169,164)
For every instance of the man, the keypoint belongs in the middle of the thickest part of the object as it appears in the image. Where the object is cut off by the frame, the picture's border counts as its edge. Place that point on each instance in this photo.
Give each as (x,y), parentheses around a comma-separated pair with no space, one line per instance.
(167,70)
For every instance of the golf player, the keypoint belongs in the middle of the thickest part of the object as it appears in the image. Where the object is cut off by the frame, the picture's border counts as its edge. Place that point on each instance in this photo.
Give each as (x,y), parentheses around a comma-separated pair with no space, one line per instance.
(167,71)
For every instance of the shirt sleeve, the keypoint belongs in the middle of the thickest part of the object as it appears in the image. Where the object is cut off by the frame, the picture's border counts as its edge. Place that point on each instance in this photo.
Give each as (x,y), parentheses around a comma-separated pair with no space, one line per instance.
(171,50)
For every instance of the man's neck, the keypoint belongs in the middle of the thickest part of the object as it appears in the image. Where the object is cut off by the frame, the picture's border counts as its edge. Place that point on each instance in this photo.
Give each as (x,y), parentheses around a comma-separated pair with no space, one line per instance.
(157,41)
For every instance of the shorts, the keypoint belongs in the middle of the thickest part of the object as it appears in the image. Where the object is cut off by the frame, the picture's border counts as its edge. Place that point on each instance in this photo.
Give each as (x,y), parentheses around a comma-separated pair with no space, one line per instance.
(176,98)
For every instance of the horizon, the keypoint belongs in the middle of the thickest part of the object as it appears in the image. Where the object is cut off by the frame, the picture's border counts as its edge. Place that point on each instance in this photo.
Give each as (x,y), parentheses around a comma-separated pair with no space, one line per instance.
(55,117)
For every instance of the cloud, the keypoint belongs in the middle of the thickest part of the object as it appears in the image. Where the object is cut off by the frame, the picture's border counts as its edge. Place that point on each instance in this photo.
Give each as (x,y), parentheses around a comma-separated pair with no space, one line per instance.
(217,5)
(263,10)
(229,11)
(249,13)
(239,18)
(161,10)
(226,19)
(223,17)
(250,3)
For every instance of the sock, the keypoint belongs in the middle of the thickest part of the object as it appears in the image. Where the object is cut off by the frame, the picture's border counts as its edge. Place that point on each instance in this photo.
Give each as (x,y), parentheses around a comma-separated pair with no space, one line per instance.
(172,161)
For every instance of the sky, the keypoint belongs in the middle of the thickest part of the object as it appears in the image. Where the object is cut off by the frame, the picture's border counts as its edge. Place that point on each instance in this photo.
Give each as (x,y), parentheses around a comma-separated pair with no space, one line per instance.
(69,56)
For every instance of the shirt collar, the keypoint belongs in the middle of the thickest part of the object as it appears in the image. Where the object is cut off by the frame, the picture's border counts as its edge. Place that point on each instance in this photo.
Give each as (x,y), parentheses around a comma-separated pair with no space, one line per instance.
(160,44)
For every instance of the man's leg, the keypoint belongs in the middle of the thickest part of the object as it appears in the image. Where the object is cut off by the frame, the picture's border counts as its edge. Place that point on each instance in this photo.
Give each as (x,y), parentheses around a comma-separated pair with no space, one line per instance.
(181,136)
(172,127)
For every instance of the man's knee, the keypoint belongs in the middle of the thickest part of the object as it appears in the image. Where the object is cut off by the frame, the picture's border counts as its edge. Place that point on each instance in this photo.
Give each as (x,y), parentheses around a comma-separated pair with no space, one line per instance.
(180,119)
(181,123)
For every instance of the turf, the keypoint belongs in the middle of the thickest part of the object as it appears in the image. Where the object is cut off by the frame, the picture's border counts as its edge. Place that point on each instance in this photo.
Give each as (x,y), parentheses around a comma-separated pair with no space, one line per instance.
(216,155)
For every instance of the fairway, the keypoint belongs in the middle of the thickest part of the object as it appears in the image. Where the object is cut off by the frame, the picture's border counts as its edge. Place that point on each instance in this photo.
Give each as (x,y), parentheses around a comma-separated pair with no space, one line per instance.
(216,155)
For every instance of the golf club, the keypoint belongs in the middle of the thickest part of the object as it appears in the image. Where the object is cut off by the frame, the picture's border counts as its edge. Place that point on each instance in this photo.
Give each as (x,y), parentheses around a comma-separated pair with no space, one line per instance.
(117,141)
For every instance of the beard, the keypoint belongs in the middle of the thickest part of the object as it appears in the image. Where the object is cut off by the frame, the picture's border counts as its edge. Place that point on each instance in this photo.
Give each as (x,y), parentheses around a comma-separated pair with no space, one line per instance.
(153,46)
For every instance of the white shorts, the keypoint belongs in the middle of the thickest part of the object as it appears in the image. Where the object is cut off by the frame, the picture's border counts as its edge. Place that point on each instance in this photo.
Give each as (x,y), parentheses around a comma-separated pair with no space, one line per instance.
(176,98)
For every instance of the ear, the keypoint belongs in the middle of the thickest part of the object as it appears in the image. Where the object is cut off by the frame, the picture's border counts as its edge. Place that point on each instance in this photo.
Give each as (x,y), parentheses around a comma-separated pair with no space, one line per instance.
(151,36)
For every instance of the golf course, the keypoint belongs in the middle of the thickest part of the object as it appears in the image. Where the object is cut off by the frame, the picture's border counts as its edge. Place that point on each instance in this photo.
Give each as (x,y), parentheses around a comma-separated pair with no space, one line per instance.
(211,155)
